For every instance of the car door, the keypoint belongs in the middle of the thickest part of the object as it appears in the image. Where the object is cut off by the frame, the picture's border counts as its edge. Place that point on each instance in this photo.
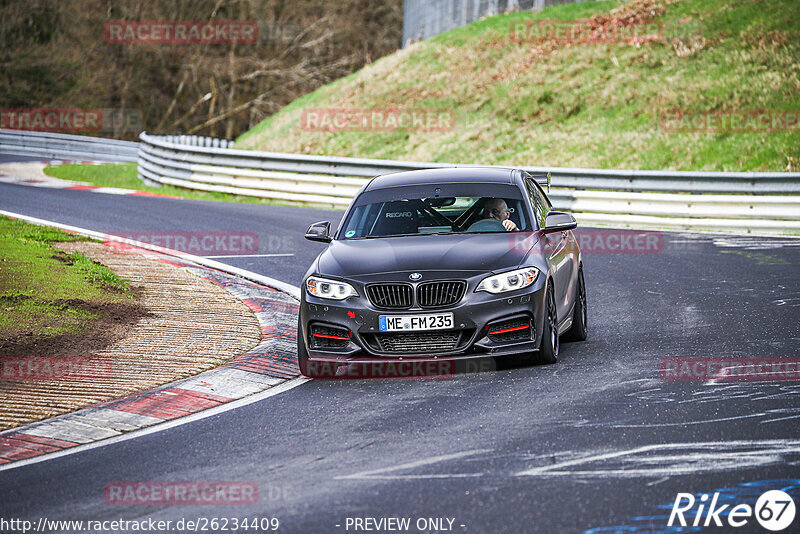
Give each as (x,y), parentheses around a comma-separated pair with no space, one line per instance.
(560,251)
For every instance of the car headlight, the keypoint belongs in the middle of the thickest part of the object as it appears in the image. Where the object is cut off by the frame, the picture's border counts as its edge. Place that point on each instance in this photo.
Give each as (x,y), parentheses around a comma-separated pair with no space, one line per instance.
(500,283)
(329,289)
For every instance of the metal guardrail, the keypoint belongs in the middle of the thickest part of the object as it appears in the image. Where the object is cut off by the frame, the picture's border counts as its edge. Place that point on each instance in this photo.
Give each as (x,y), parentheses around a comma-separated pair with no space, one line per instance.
(198,140)
(761,203)
(66,147)
(717,201)
(601,179)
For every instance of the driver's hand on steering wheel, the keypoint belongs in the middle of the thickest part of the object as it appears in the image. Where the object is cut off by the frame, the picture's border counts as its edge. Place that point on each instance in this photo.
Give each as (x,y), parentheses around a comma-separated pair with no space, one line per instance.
(509,225)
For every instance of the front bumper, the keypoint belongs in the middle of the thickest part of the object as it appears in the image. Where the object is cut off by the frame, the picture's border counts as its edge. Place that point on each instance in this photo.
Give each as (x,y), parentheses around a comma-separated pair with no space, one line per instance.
(358,320)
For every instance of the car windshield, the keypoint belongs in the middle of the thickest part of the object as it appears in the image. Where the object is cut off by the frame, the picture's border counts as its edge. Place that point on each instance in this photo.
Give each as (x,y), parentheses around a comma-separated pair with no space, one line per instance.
(433,210)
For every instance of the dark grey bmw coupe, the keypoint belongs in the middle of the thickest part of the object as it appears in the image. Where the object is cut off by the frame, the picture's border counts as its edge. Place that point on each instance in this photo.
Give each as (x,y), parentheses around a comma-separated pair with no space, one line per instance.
(442,265)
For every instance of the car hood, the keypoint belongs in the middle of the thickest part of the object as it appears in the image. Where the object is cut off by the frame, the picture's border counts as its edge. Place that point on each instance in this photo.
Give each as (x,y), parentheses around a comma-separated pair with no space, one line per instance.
(455,253)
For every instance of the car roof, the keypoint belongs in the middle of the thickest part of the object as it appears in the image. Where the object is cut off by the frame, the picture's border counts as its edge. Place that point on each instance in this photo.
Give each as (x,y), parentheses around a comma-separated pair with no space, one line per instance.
(495,175)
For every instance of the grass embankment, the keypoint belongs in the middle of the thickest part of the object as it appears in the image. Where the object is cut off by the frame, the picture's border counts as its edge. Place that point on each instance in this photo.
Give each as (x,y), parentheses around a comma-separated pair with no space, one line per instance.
(125,176)
(46,293)
(590,104)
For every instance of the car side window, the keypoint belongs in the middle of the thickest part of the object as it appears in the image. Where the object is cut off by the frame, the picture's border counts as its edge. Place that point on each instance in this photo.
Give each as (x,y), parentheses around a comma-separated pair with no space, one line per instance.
(548,205)
(539,203)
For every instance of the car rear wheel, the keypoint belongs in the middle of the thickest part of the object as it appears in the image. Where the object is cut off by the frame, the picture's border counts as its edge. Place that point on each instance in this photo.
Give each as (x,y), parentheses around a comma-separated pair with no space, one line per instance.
(548,350)
(578,330)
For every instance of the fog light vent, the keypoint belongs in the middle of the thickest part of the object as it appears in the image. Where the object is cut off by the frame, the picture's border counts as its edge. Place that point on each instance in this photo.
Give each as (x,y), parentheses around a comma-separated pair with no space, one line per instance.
(328,337)
(517,329)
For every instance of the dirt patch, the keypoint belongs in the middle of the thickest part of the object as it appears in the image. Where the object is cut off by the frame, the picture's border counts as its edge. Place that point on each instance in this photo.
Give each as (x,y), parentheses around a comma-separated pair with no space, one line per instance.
(112,324)
(63,258)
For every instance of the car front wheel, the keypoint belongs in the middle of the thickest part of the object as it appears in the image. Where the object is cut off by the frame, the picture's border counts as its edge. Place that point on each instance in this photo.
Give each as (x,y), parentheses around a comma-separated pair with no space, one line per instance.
(302,352)
(548,350)
(578,330)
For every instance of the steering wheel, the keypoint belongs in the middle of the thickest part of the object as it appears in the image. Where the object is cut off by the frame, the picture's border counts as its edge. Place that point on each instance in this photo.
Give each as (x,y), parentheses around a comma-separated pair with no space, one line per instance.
(497,225)
(487,225)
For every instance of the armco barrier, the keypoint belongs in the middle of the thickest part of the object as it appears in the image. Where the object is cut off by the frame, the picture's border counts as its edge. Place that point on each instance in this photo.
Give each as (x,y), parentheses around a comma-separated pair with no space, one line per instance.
(738,202)
(731,202)
(66,147)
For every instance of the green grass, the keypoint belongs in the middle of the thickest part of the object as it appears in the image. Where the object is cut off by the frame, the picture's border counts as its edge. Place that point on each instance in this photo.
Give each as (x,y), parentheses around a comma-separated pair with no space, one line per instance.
(98,274)
(579,105)
(125,176)
(41,288)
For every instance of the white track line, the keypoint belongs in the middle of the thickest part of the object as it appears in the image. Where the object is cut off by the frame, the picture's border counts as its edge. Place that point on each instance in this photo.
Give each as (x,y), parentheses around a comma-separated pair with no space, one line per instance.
(248,256)
(380,473)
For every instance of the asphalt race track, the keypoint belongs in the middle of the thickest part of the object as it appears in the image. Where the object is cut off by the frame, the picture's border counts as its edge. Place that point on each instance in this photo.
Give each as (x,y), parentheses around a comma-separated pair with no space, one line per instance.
(597,441)
(283,252)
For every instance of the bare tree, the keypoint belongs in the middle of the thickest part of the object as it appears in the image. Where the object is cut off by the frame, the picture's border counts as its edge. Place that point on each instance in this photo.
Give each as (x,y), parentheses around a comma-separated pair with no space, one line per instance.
(54,54)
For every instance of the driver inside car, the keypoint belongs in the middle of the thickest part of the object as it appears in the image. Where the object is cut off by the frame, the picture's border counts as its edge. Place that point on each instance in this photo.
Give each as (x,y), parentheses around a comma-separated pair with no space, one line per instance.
(497,217)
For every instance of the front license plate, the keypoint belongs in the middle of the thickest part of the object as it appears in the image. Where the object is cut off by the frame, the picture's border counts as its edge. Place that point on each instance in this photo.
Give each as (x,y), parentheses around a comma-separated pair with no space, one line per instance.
(433,321)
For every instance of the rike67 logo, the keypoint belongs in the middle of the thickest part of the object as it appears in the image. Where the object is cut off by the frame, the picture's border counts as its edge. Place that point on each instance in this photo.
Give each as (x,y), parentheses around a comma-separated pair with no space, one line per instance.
(774,510)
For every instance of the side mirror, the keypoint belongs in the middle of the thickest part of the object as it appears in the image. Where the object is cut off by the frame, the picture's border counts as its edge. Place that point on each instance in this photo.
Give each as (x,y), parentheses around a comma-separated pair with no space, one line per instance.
(319,231)
(558,221)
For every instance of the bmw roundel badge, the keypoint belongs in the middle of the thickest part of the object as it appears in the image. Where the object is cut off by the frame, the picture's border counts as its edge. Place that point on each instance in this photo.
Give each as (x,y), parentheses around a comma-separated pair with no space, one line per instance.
(415,276)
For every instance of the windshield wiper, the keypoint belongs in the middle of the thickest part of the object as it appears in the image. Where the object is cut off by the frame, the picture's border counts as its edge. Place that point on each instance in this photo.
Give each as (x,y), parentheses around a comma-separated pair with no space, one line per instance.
(384,236)
(402,235)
